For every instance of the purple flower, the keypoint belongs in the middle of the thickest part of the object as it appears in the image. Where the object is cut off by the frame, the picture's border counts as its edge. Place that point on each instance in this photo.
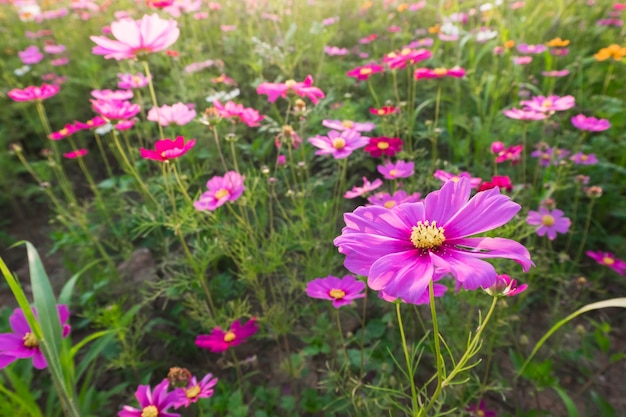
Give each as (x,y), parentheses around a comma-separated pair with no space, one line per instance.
(555,73)
(339,144)
(23,343)
(582,159)
(195,390)
(549,103)
(549,156)
(399,249)
(480,410)
(400,169)
(221,189)
(518,114)
(525,48)
(349,124)
(153,403)
(590,124)
(549,222)
(30,55)
(389,201)
(607,259)
(448,176)
(506,286)
(367,187)
(341,291)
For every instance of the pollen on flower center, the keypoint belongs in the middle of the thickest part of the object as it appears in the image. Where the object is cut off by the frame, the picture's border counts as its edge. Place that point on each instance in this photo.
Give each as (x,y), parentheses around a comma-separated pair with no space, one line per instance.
(193,391)
(290,83)
(455,179)
(440,71)
(221,193)
(229,337)
(390,204)
(337,294)
(608,261)
(348,123)
(546,104)
(380,112)
(393,172)
(547,220)
(480,413)
(150,411)
(383,145)
(427,235)
(365,71)
(339,143)
(63,131)
(30,340)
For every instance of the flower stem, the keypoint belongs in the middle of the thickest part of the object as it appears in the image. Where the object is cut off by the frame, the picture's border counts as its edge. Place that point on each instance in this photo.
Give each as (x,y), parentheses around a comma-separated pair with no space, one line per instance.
(153,96)
(409,363)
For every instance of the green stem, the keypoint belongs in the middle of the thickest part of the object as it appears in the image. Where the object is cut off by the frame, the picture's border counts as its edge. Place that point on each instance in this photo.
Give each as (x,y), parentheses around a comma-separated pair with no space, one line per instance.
(153,96)
(585,233)
(409,363)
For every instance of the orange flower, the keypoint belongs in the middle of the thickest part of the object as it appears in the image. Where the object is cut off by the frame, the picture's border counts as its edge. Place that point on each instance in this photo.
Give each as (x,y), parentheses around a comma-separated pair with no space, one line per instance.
(557,43)
(435,29)
(403,7)
(509,44)
(612,51)
(367,5)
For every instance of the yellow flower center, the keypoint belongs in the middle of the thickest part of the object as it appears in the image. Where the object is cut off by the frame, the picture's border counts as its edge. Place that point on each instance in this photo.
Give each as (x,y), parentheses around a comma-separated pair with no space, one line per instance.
(290,83)
(63,131)
(427,236)
(584,157)
(440,71)
(339,143)
(547,104)
(456,178)
(608,261)
(405,51)
(30,340)
(337,294)
(380,112)
(392,55)
(193,391)
(383,145)
(229,337)
(365,71)
(480,413)
(221,193)
(150,411)
(390,204)
(348,123)
(393,172)
(547,220)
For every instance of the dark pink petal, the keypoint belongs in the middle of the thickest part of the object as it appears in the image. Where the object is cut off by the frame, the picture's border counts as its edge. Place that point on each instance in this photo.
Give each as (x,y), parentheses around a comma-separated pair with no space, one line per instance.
(18,322)
(143,395)
(470,272)
(13,344)
(495,247)
(6,360)
(39,361)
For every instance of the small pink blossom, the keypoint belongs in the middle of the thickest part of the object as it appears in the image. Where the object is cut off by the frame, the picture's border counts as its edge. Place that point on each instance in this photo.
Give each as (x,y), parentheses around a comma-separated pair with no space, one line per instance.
(119,95)
(608,259)
(219,340)
(348,124)
(54,49)
(31,55)
(76,154)
(426,73)
(341,291)
(555,73)
(115,110)
(505,286)
(407,56)
(195,390)
(68,130)
(580,158)
(390,201)
(549,222)
(339,144)
(220,191)
(34,93)
(335,51)
(525,48)
(302,89)
(247,115)
(549,104)
(591,124)
(518,114)
(522,60)
(444,176)
(365,71)
(393,171)
(167,149)
(366,188)
(129,81)
(177,114)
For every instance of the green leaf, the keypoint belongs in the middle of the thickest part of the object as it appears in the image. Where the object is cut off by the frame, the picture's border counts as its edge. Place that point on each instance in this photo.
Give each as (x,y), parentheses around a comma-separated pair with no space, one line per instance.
(572,410)
(68,289)
(606,409)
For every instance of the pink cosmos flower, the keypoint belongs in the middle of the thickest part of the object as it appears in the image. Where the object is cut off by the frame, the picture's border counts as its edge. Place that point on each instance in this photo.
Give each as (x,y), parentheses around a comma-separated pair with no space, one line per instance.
(506,286)
(91,123)
(590,124)
(68,130)
(228,28)
(562,73)
(22,343)
(368,39)
(219,340)
(152,403)
(407,56)
(119,95)
(335,51)
(390,201)
(365,71)
(59,62)
(247,115)
(199,66)
(177,114)
(34,93)
(54,49)
(424,42)
(421,73)
(221,190)
(378,147)
(124,124)
(549,156)
(549,103)
(195,390)
(608,259)
(385,110)
(339,144)
(137,37)
(610,22)
(522,60)
(400,169)
(512,153)
(499,181)
(559,51)
(167,149)
(518,114)
(366,188)
(549,222)
(349,124)
(330,21)
(525,48)
(341,291)
(302,89)
(115,110)
(480,410)
(224,79)
(30,55)
(128,81)
(76,154)
(444,176)
(399,249)
(580,158)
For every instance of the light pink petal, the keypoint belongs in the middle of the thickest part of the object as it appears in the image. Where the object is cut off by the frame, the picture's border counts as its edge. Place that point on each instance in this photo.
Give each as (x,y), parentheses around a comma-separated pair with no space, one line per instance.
(443,204)
(402,274)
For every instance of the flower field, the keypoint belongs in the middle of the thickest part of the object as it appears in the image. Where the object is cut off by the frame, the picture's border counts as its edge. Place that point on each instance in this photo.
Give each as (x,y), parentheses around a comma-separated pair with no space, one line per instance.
(312,208)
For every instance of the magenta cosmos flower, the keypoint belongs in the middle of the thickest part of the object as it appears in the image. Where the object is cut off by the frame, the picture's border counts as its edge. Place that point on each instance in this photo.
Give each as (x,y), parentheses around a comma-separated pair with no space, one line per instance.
(549,222)
(378,147)
(502,182)
(422,73)
(127,81)
(177,114)
(341,291)
(549,103)
(68,130)
(167,149)
(480,410)
(34,93)
(339,144)
(518,114)
(505,286)
(302,89)
(232,110)
(390,201)
(137,37)
(366,188)
(608,259)
(400,169)
(221,189)
(195,390)
(364,72)
(79,153)
(349,125)
(399,249)
(590,124)
(407,56)
(115,110)
(119,95)
(22,343)
(219,340)
(580,158)
(153,403)
(445,176)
